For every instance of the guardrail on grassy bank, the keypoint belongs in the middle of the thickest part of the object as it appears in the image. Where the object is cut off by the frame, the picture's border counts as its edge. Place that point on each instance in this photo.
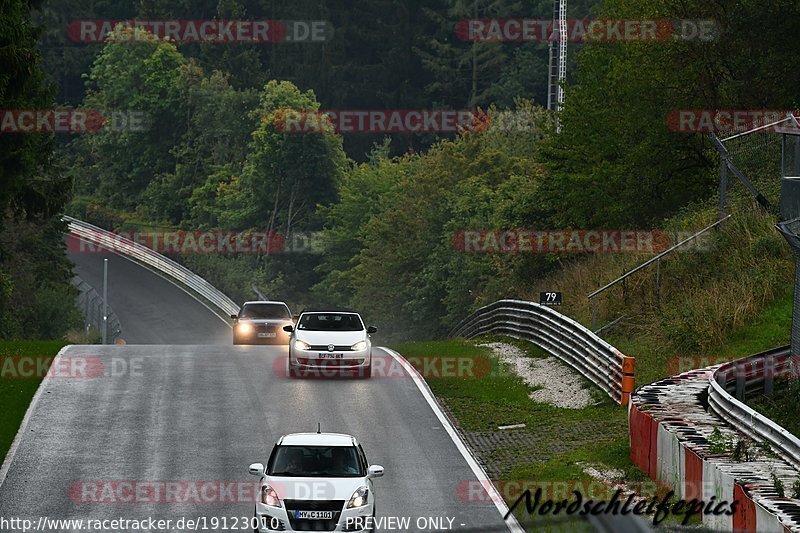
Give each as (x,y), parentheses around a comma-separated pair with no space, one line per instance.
(143,254)
(559,335)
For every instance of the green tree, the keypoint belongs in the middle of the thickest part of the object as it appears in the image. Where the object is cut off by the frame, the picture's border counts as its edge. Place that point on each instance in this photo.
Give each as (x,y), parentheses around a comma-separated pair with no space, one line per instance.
(135,73)
(286,175)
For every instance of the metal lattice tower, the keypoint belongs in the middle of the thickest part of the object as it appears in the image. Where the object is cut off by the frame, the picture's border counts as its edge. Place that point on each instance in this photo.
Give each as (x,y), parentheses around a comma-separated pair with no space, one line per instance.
(558,56)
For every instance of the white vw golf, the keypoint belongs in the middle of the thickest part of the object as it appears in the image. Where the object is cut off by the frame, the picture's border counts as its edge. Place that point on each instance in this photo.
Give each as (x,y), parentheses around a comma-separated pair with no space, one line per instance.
(316,482)
(326,342)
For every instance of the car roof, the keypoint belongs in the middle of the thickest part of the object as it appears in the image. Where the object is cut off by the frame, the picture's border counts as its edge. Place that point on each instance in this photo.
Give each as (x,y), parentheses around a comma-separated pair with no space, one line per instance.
(317,439)
(265,302)
(330,310)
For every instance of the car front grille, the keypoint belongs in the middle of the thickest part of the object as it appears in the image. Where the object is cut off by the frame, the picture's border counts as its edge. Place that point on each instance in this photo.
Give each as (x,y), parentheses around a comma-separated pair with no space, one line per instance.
(333,363)
(324,348)
(314,505)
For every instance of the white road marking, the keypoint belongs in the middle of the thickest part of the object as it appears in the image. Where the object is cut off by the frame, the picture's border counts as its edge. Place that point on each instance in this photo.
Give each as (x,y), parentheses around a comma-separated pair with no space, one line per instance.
(24,425)
(477,469)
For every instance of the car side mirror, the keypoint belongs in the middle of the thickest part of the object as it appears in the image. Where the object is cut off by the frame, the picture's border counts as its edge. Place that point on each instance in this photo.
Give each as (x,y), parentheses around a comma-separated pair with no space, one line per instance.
(234,317)
(375,471)
(372,329)
(288,328)
(256,469)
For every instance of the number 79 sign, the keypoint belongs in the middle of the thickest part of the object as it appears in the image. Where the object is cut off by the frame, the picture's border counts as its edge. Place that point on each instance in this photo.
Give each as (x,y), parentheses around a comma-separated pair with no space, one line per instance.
(550,298)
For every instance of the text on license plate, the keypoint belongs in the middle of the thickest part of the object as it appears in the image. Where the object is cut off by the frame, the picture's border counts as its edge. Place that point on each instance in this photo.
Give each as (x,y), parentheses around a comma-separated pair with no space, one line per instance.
(331,355)
(313,515)
(266,335)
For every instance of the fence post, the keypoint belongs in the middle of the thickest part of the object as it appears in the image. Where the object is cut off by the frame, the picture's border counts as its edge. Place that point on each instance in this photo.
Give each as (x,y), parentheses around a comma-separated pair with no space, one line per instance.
(105,301)
(723,187)
(741,380)
(658,282)
(628,378)
(769,375)
(789,230)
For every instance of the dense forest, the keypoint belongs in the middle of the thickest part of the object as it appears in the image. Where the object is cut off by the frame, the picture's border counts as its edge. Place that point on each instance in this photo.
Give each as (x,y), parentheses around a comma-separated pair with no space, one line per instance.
(384,207)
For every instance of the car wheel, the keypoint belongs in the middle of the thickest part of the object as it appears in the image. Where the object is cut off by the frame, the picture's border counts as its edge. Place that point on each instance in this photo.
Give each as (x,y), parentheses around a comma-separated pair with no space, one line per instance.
(290,370)
(373,521)
(255,521)
(365,372)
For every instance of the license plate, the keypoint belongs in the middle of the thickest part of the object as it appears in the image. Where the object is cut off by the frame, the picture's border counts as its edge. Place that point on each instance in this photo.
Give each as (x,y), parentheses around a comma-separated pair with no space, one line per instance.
(313,515)
(331,355)
(265,335)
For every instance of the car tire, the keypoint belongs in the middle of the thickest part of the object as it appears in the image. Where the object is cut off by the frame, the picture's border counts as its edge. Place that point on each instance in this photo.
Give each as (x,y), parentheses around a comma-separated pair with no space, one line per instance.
(374,529)
(291,372)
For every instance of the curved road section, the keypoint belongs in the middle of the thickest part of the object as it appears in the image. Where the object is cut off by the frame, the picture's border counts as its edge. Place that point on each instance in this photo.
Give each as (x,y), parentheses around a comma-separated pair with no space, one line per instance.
(167,431)
(150,308)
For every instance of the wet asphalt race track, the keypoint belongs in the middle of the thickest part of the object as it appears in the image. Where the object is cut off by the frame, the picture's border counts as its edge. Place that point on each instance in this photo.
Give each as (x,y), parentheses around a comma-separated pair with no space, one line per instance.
(180,403)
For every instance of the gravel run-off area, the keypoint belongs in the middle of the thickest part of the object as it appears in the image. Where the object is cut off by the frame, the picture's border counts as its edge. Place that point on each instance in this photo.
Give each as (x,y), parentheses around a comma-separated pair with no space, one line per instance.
(557,384)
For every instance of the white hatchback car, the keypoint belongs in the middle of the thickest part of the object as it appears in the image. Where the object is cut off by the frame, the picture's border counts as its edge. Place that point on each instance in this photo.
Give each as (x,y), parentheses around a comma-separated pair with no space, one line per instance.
(316,482)
(329,342)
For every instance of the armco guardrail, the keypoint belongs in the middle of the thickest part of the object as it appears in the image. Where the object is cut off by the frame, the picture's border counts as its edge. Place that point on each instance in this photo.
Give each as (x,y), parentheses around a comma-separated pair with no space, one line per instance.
(748,376)
(673,441)
(559,335)
(145,255)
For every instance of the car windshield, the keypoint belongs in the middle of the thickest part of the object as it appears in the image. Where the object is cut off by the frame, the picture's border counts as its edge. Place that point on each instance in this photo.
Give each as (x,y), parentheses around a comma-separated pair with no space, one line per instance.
(315,461)
(330,322)
(275,311)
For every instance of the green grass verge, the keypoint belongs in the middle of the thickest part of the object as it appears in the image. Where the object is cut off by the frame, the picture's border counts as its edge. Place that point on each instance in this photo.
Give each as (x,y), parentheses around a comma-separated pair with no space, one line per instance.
(16,393)
(769,329)
(554,440)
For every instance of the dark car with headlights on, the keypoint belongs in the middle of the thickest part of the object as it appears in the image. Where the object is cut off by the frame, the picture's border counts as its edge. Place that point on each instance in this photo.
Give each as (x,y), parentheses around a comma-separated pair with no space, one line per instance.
(262,322)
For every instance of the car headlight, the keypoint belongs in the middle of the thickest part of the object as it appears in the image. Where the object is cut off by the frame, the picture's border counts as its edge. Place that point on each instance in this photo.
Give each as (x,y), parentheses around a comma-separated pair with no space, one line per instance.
(243,327)
(270,497)
(359,498)
(360,345)
(300,345)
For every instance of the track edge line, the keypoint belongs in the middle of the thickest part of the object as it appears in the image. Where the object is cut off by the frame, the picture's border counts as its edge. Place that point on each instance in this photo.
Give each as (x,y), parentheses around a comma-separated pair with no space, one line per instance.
(512,523)
(26,419)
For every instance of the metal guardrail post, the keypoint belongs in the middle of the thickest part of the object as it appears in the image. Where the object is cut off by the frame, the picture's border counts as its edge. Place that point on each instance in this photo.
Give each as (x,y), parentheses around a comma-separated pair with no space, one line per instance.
(105,300)
(790,230)
(741,380)
(723,188)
